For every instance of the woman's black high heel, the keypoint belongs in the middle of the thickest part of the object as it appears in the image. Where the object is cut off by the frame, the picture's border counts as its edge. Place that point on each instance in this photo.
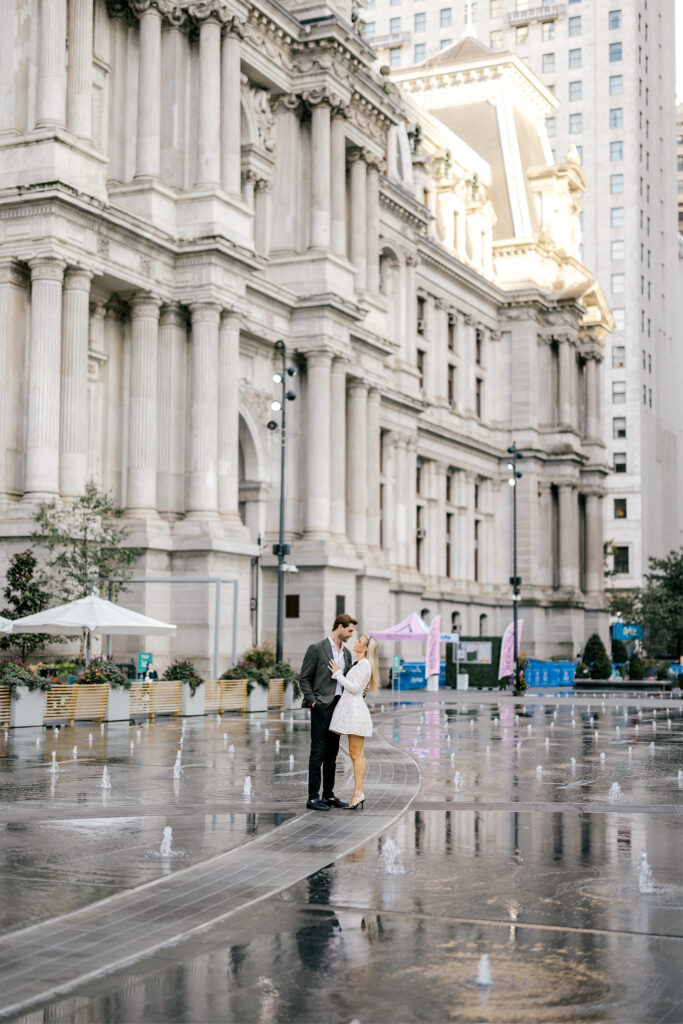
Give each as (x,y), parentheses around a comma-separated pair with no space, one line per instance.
(358,803)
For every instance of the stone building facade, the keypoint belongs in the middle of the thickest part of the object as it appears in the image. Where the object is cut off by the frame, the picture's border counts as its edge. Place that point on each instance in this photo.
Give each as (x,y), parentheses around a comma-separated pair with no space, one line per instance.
(183,184)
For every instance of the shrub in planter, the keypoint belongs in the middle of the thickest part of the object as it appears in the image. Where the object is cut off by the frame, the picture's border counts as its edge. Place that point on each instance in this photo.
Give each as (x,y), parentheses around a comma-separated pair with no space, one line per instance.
(13,674)
(259,657)
(102,670)
(245,671)
(582,671)
(636,669)
(236,672)
(185,672)
(662,673)
(283,670)
(595,655)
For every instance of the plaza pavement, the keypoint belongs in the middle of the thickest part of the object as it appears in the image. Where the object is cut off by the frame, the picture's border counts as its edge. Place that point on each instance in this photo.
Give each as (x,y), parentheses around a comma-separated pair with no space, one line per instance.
(159,903)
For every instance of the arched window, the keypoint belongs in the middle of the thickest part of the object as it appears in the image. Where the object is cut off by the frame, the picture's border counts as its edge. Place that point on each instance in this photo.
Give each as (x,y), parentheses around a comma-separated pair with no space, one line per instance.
(483,624)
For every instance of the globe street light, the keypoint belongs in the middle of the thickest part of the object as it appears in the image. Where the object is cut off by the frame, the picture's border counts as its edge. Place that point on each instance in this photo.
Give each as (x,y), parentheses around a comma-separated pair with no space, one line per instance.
(515,580)
(281,549)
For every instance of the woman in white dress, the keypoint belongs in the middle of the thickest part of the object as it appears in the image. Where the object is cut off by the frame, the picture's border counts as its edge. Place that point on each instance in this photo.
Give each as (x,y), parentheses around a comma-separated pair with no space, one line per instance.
(351,717)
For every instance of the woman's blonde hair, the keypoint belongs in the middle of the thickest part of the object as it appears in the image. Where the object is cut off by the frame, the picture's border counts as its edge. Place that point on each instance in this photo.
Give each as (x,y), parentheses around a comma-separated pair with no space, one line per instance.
(373,660)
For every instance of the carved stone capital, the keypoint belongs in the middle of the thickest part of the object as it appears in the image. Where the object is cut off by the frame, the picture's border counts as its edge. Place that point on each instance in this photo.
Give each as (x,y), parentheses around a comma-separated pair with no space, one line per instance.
(208,10)
(287,103)
(47,268)
(470,320)
(166,9)
(321,97)
(356,153)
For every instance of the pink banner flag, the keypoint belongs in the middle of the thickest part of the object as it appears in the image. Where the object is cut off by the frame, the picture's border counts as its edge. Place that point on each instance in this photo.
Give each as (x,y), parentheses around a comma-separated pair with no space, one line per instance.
(507,649)
(433,650)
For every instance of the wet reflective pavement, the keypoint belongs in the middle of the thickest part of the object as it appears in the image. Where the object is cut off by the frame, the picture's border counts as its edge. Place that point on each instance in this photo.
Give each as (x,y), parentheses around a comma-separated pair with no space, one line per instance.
(540,870)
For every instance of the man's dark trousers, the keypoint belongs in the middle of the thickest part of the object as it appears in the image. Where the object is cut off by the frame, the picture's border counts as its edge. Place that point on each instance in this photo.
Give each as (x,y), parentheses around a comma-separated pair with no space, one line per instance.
(324,750)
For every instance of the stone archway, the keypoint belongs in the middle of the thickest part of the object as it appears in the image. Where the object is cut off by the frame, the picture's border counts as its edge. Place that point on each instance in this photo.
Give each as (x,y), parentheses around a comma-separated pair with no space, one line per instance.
(253,489)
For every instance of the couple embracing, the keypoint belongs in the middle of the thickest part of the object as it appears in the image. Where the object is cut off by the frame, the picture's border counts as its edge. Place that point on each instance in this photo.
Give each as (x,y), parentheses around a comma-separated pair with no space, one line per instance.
(334,688)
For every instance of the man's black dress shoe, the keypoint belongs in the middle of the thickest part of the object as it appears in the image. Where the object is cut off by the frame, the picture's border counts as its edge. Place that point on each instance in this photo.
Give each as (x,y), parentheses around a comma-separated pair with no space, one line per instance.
(315,804)
(334,801)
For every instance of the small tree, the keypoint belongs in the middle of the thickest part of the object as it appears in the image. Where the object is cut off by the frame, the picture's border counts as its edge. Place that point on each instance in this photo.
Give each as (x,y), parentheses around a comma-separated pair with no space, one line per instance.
(26,593)
(85,541)
(636,669)
(595,655)
(662,605)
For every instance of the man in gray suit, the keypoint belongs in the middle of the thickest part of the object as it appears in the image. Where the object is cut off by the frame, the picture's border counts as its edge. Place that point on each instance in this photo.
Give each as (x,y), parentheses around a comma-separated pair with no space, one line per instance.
(321,694)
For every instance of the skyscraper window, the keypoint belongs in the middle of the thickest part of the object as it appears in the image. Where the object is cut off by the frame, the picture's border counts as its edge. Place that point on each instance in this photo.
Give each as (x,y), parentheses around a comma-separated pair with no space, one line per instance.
(615,19)
(616,85)
(616,150)
(575,26)
(614,52)
(616,117)
(575,124)
(421,22)
(575,58)
(576,90)
(446,17)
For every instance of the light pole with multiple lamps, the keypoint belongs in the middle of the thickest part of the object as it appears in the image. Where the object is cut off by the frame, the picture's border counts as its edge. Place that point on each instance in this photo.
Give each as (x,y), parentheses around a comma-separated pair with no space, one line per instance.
(515,580)
(281,549)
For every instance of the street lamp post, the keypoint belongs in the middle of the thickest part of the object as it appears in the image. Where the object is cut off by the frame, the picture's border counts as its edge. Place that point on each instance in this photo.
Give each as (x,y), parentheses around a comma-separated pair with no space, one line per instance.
(515,580)
(281,549)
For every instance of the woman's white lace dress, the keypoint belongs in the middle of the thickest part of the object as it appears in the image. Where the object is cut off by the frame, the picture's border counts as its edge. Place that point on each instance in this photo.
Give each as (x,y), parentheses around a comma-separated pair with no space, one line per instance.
(351,716)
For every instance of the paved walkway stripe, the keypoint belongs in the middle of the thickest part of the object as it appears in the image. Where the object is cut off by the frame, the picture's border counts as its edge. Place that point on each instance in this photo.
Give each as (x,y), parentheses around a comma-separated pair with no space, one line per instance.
(52,957)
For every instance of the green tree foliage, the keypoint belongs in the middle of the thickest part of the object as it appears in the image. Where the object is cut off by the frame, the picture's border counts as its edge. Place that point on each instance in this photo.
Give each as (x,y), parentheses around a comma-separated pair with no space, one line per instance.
(85,542)
(26,592)
(595,655)
(185,672)
(662,605)
(625,603)
(636,669)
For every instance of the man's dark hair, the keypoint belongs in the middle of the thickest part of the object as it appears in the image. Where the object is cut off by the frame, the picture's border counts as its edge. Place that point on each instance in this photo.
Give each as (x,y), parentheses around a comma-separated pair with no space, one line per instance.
(344,620)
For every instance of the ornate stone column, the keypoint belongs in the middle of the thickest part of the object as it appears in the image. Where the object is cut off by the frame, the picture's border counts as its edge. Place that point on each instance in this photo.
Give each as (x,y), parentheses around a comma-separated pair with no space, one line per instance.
(148,156)
(202,484)
(410,309)
(231,115)
(171,410)
(73,437)
(287,173)
(569,536)
(79,81)
(594,550)
(41,476)
(51,102)
(337,448)
(372,200)
(338,173)
(319,103)
(359,225)
(13,285)
(8,98)
(318,449)
(567,370)
(209,128)
(142,429)
(373,444)
(262,216)
(545,546)
(357,462)
(228,414)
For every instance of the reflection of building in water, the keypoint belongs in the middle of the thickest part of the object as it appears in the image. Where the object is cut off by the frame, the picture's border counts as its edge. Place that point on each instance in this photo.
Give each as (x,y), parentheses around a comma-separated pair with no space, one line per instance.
(196,184)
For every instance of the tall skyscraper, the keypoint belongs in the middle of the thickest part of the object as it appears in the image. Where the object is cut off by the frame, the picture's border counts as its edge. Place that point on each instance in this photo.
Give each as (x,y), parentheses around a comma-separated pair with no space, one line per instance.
(611,68)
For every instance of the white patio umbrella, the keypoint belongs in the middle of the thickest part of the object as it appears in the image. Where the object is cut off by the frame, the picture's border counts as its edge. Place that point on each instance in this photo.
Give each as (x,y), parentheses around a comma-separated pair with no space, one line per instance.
(5,624)
(93,614)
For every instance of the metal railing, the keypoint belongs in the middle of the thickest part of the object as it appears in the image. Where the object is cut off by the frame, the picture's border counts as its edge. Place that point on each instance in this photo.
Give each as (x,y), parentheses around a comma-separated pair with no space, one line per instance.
(82,701)
(225,695)
(155,697)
